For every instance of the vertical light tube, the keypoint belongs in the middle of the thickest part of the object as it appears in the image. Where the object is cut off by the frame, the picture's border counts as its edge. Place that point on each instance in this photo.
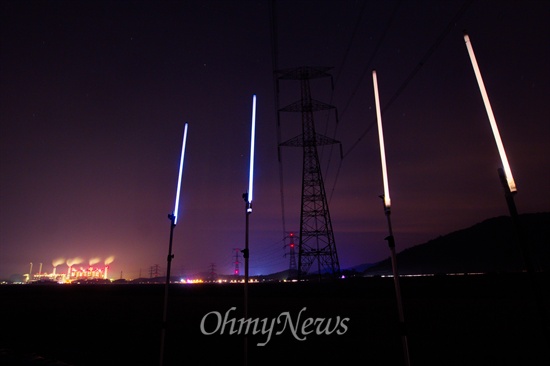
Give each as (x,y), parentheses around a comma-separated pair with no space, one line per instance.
(493,122)
(248,198)
(387,200)
(390,238)
(176,205)
(173,220)
(252,145)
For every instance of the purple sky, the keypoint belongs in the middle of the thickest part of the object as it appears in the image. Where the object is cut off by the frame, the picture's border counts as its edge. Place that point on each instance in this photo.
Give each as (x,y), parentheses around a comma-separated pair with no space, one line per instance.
(94,96)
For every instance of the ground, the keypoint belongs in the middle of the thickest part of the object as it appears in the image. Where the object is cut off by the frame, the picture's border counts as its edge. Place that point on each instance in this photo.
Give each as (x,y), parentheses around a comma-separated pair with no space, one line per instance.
(450,320)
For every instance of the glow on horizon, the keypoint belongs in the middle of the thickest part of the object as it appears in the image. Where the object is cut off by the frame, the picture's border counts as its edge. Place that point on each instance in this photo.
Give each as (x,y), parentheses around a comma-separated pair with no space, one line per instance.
(492,120)
(252,143)
(387,200)
(176,205)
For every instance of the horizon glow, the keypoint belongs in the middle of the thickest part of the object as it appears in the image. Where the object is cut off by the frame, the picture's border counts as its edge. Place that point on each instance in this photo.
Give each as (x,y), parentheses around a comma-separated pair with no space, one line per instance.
(176,205)
(252,145)
(387,200)
(492,120)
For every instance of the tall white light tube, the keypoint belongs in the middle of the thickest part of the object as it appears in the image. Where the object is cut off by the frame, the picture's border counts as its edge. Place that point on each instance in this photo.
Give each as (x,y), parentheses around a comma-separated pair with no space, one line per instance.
(387,200)
(252,143)
(177,203)
(494,127)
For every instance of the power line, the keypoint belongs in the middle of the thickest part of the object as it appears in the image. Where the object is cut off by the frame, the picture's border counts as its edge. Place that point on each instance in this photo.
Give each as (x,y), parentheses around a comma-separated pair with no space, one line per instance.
(275,66)
(359,82)
(348,48)
(406,82)
(373,55)
(417,68)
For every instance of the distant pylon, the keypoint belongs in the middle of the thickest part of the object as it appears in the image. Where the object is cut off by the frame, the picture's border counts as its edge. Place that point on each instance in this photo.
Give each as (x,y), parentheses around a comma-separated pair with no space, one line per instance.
(236,270)
(154,271)
(316,242)
(212,274)
(292,265)
(292,255)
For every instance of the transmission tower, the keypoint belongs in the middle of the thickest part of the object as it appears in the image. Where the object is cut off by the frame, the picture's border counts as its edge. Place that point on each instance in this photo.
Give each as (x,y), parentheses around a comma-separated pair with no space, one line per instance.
(292,265)
(236,270)
(212,275)
(292,254)
(316,242)
(154,271)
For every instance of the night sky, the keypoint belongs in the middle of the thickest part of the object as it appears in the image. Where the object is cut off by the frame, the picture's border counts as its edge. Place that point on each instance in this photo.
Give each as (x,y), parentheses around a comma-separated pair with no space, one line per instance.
(94,96)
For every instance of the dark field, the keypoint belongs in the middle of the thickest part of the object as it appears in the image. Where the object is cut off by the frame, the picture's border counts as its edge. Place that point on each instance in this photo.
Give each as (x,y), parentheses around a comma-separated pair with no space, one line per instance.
(452,320)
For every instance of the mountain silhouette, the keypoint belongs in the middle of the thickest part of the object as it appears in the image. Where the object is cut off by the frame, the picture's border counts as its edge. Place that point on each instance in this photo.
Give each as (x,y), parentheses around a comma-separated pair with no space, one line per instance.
(489,246)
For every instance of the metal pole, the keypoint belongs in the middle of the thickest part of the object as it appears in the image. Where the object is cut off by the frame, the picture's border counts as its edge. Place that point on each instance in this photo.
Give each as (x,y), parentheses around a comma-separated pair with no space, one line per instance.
(168,267)
(173,220)
(245,252)
(402,326)
(248,210)
(387,210)
(526,253)
(510,189)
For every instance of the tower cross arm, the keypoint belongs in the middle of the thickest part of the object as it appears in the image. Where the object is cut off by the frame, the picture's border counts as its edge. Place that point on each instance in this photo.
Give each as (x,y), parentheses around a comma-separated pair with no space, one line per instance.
(304,72)
(298,141)
(314,105)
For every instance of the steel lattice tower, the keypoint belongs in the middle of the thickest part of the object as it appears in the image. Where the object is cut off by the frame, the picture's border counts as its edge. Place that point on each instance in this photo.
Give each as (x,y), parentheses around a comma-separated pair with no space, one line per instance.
(236,270)
(292,269)
(292,252)
(316,241)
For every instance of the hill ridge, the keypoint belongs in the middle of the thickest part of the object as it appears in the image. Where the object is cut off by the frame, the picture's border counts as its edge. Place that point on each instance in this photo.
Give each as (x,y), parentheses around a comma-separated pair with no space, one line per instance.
(487,246)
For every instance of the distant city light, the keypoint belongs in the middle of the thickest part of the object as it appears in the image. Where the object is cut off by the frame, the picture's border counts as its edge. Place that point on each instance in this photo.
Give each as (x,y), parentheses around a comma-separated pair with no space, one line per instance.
(191,280)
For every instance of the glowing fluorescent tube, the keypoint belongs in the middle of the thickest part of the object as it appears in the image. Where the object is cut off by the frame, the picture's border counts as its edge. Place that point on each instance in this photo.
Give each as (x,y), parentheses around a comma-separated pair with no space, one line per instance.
(251,171)
(387,200)
(494,127)
(176,205)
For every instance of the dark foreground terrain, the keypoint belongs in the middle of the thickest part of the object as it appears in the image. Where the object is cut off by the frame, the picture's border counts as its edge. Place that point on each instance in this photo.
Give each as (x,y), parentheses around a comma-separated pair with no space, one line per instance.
(452,320)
